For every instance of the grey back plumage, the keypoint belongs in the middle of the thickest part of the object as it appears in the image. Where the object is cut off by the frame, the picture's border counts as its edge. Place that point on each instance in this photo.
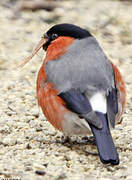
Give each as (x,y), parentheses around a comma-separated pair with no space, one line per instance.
(84,66)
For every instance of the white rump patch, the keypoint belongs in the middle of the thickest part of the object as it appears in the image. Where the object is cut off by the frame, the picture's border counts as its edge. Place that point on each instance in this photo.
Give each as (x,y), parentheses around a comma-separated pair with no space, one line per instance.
(98,102)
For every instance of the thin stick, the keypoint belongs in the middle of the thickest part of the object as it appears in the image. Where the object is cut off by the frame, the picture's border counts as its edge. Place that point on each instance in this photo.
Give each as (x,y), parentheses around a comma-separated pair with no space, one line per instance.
(40,44)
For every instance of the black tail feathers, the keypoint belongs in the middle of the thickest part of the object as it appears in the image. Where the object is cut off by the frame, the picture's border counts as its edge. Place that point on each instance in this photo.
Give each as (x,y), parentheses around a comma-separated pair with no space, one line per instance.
(104,142)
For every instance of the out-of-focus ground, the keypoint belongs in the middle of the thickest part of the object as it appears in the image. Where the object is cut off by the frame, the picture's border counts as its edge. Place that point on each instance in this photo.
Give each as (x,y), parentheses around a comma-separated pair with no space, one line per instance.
(28,148)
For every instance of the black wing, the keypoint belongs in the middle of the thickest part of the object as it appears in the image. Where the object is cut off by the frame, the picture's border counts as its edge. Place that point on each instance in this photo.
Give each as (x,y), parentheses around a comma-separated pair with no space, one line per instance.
(112,106)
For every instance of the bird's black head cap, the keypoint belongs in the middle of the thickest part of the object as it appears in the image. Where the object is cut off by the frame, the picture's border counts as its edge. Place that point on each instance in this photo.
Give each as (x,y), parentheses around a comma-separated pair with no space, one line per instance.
(68,30)
(65,29)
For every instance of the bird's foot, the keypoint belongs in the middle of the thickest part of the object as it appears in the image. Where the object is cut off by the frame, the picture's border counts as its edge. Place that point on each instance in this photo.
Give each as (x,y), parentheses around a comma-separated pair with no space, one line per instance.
(88,139)
(66,141)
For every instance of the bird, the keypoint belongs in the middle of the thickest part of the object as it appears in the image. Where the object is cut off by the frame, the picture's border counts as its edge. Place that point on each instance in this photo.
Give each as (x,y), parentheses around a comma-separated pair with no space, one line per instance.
(78,88)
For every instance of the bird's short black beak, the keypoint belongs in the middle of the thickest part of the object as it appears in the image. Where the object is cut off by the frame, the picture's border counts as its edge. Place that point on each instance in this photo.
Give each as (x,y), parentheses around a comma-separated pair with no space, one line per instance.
(45,46)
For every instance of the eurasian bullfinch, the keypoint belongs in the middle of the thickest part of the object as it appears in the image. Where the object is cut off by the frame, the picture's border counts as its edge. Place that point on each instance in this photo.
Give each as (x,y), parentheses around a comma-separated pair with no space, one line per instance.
(78,88)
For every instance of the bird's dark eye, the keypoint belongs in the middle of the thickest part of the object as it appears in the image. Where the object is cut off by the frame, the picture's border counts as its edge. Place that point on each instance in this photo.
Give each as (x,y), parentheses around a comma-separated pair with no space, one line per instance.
(54,36)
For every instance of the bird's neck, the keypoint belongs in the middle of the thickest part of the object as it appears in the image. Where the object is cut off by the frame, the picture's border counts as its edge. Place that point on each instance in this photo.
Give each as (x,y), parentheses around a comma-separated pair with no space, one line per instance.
(58,47)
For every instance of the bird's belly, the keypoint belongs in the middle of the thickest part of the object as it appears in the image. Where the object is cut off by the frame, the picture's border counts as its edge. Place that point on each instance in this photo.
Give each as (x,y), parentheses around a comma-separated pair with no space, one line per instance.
(73,125)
